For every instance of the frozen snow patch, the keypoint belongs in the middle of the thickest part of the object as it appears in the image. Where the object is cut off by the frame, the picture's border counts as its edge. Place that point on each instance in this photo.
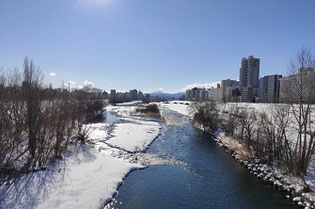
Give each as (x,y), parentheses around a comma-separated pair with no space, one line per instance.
(134,135)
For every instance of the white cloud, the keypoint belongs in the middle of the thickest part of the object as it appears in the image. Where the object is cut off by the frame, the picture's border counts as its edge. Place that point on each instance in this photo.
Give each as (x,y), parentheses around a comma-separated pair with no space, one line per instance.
(75,85)
(72,84)
(200,85)
(88,83)
(52,74)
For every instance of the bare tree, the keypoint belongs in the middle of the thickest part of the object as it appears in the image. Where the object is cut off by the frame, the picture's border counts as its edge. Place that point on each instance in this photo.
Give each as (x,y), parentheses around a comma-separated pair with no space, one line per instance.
(299,93)
(249,125)
(230,120)
(33,102)
(272,143)
(283,145)
(264,145)
(36,122)
(206,114)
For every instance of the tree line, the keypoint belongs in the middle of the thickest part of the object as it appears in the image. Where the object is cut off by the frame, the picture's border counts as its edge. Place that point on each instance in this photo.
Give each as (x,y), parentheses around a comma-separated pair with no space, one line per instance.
(38,122)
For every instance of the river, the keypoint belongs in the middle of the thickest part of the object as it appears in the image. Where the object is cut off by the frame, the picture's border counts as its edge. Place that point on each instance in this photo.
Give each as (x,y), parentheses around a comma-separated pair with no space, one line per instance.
(208,177)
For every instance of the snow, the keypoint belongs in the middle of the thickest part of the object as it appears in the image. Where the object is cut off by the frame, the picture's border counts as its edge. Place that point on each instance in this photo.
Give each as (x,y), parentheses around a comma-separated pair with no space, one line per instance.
(97,131)
(87,179)
(134,135)
(123,111)
(88,184)
(129,103)
(91,173)
(178,106)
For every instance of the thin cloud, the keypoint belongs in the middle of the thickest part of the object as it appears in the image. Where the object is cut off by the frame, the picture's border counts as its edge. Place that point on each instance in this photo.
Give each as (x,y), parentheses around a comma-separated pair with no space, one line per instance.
(52,74)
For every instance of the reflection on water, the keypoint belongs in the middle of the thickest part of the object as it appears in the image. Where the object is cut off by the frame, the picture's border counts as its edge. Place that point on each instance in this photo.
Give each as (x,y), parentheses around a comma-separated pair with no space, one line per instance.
(211,178)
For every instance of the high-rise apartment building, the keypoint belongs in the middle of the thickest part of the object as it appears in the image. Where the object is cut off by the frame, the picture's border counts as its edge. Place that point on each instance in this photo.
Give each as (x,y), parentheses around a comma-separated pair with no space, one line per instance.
(249,78)
(243,72)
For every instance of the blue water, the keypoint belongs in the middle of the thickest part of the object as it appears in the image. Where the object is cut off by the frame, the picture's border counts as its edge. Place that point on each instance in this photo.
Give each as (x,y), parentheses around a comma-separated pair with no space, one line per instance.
(210,177)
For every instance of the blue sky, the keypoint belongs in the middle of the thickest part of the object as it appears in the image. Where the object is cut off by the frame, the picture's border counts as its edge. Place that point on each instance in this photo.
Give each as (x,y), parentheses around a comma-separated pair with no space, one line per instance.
(152,44)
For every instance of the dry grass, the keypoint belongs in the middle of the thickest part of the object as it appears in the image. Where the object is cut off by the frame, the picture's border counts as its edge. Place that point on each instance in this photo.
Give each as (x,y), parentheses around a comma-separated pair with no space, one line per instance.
(238,147)
(149,111)
(151,115)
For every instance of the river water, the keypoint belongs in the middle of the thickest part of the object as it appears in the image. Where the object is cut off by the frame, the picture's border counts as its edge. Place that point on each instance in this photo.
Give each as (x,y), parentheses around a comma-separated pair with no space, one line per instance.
(207,178)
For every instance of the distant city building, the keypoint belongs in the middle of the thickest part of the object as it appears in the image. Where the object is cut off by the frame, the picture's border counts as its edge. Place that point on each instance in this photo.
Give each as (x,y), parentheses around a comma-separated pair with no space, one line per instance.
(105,94)
(269,88)
(245,90)
(112,93)
(229,83)
(196,94)
(202,94)
(285,84)
(223,92)
(140,95)
(133,94)
(299,87)
(217,94)
(227,89)
(236,94)
(112,96)
(192,94)
(249,78)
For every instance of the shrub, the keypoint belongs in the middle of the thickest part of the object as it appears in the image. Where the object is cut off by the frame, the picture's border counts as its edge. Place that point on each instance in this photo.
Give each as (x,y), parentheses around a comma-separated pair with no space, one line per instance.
(151,110)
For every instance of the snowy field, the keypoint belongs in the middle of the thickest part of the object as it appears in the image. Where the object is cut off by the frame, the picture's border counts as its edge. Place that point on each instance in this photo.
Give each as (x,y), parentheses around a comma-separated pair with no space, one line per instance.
(90,174)
(182,108)
(178,106)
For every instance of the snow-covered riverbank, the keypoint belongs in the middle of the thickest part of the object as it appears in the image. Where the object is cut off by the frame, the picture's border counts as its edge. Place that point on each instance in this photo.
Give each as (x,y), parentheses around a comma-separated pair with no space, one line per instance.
(178,106)
(90,174)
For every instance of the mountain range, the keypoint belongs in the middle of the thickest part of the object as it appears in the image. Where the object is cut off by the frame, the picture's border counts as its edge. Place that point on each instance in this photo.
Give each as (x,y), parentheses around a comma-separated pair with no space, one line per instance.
(163,95)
